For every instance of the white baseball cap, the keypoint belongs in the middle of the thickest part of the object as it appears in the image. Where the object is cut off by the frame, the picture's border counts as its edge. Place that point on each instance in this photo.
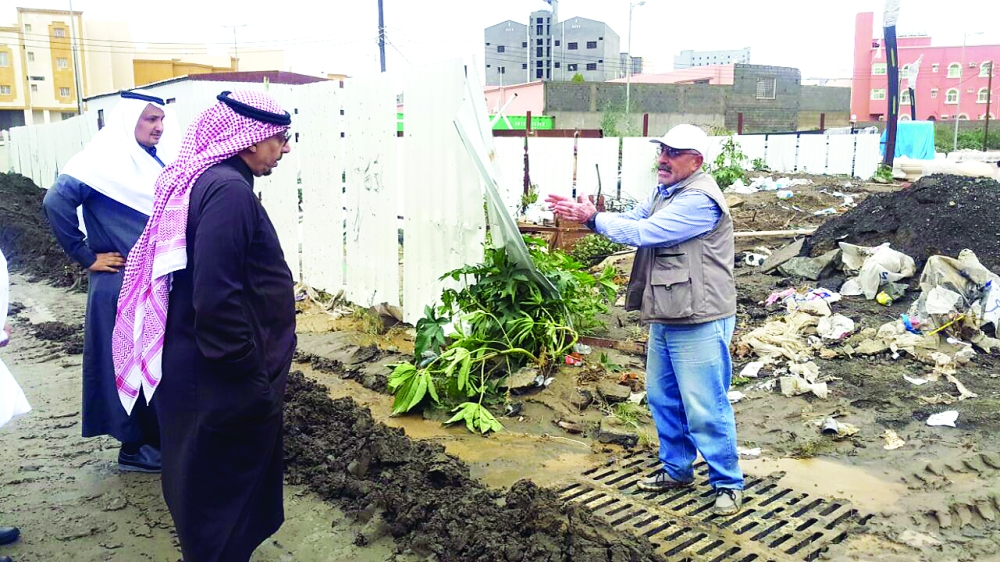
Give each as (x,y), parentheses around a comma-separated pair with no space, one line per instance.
(685,137)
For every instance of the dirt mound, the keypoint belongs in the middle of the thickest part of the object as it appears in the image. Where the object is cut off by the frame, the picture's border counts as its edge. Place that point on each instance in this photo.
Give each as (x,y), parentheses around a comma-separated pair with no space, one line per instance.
(939,214)
(25,236)
(426,498)
(70,336)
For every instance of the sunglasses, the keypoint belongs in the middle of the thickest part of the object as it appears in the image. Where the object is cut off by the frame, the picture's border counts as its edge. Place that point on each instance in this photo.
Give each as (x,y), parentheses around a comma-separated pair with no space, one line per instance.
(285,138)
(671,152)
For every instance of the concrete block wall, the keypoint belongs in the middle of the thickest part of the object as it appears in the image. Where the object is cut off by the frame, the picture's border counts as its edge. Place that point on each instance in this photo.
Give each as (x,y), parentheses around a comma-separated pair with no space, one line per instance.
(764,115)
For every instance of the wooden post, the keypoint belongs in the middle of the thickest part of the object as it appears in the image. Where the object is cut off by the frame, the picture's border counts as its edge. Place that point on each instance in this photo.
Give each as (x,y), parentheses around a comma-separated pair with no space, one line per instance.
(989,103)
(739,124)
(822,122)
(645,124)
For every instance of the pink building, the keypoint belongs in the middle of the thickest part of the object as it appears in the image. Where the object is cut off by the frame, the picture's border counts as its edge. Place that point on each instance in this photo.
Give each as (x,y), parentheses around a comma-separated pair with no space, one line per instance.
(945,86)
(716,75)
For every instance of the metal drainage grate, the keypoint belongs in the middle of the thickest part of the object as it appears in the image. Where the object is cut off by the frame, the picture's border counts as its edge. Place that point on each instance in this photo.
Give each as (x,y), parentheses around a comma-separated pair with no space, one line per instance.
(776,524)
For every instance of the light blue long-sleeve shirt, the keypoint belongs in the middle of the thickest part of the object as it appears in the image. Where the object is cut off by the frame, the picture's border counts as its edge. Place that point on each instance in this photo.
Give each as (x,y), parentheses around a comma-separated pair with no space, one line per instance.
(690,214)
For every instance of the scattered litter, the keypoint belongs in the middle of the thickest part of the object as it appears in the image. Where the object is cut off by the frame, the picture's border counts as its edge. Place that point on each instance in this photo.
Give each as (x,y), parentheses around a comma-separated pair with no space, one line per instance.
(944,418)
(748,453)
(569,426)
(752,369)
(830,426)
(637,397)
(883,298)
(796,386)
(940,398)
(917,540)
(875,266)
(779,296)
(754,260)
(808,370)
(826,211)
(915,381)
(779,338)
(784,194)
(735,396)
(892,440)
(835,327)
(963,393)
(582,349)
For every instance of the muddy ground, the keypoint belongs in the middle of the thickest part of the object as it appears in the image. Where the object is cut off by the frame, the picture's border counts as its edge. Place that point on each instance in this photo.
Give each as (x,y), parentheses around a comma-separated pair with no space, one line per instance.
(412,489)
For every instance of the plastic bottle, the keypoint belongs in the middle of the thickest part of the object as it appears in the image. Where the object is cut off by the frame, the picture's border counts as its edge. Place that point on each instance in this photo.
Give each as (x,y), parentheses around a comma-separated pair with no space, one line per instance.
(784,194)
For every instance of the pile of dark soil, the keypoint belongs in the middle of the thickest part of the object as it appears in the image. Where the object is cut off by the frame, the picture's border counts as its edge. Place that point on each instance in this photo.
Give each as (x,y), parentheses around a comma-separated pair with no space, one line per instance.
(25,236)
(425,498)
(939,214)
(71,337)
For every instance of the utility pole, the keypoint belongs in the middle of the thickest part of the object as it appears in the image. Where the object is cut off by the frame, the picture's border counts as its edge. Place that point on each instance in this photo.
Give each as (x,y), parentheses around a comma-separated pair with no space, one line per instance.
(236,47)
(381,35)
(961,73)
(989,103)
(628,68)
(76,60)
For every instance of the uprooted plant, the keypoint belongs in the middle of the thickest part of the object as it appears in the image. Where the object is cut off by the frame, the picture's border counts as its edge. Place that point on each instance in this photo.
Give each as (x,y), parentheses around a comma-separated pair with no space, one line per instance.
(502,321)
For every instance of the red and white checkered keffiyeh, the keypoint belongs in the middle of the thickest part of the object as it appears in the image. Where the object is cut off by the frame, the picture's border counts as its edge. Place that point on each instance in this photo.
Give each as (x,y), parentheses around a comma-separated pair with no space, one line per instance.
(137,341)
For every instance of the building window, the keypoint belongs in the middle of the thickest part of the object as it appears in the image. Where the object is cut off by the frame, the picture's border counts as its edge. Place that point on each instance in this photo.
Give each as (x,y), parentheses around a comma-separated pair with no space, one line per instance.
(524,44)
(501,49)
(538,73)
(4,58)
(878,69)
(571,67)
(540,20)
(539,51)
(548,30)
(962,117)
(548,51)
(548,74)
(501,70)
(878,93)
(5,90)
(62,63)
(935,67)
(591,66)
(954,70)
(34,88)
(766,88)
(905,71)
(27,27)
(904,97)
(64,92)
(538,31)
(539,42)
(557,42)
(59,32)
(984,70)
(524,66)
(31,56)
(68,115)
(934,92)
(538,63)
(557,65)
(571,46)
(591,44)
(952,96)
(983,94)
(487,44)
(489,66)
(904,117)
(983,116)
(944,117)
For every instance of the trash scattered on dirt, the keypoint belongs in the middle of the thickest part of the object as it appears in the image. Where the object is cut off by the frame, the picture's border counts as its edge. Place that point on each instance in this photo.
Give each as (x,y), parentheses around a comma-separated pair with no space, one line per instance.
(749,453)
(875,267)
(832,427)
(920,222)
(735,396)
(752,369)
(944,418)
(26,237)
(835,327)
(892,440)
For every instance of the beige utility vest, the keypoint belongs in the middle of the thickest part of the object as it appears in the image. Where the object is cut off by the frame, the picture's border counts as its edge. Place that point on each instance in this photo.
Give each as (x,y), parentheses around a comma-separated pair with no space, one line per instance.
(691,282)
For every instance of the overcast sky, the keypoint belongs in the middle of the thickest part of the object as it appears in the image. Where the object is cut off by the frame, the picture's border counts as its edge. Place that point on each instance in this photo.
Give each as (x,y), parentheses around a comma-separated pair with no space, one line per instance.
(341,36)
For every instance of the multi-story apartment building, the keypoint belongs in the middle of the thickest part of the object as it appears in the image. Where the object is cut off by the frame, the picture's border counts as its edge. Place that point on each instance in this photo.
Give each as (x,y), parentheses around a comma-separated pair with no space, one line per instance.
(951,81)
(689,59)
(547,49)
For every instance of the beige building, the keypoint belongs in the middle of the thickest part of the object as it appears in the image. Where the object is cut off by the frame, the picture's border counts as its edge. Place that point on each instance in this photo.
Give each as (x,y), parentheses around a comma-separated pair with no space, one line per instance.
(39,76)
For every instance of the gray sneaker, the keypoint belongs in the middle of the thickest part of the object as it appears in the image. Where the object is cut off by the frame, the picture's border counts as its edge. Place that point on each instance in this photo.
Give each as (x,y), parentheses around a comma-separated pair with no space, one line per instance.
(661,482)
(728,501)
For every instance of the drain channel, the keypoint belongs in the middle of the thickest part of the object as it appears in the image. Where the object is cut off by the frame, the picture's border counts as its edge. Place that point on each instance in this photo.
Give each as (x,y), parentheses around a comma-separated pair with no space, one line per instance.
(777,524)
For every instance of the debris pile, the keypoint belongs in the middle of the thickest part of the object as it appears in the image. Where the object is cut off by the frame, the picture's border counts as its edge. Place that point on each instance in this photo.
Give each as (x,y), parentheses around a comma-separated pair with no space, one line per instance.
(25,236)
(938,214)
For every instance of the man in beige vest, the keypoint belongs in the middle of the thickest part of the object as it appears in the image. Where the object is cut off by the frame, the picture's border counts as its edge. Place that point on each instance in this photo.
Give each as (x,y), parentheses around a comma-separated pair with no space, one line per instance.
(683,285)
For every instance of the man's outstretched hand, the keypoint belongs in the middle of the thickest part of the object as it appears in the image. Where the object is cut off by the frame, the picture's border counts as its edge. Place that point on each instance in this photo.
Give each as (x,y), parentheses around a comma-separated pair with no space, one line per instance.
(576,211)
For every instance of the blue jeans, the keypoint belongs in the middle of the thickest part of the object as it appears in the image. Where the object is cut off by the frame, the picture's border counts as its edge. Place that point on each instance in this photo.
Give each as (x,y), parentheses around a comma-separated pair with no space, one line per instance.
(688,371)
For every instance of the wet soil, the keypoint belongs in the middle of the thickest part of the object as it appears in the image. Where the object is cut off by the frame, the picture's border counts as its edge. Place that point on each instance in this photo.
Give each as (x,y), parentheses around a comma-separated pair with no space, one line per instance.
(69,337)
(939,214)
(426,498)
(26,238)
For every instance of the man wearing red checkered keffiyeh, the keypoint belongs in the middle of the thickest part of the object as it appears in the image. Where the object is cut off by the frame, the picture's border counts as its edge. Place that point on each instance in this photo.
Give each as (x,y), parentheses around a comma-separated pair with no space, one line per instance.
(206,321)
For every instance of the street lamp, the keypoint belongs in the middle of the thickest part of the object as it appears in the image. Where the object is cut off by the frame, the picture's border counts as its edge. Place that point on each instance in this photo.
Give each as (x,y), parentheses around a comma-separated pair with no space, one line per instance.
(628,62)
(961,72)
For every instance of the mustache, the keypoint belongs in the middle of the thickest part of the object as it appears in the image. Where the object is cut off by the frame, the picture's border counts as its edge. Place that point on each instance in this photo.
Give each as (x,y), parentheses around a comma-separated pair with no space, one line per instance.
(664,168)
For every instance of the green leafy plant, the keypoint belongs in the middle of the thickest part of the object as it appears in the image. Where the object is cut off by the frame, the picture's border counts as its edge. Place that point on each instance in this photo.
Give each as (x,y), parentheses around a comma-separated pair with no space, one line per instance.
(530,197)
(608,365)
(759,165)
(594,247)
(883,175)
(728,165)
(503,320)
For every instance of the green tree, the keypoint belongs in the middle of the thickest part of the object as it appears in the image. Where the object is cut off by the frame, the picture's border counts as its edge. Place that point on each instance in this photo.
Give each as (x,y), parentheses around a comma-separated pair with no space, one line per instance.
(577,77)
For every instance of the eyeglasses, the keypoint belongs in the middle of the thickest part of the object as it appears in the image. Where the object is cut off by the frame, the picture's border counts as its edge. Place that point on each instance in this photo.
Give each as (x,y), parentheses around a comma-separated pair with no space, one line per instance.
(285,138)
(671,152)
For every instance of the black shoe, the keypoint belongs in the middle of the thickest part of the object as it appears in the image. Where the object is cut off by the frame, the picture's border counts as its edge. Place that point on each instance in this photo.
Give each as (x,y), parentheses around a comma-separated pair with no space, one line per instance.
(8,535)
(146,460)
(660,481)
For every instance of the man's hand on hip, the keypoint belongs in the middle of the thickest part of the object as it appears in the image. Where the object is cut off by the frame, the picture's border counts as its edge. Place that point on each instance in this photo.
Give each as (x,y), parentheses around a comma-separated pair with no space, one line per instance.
(579,211)
(107,263)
